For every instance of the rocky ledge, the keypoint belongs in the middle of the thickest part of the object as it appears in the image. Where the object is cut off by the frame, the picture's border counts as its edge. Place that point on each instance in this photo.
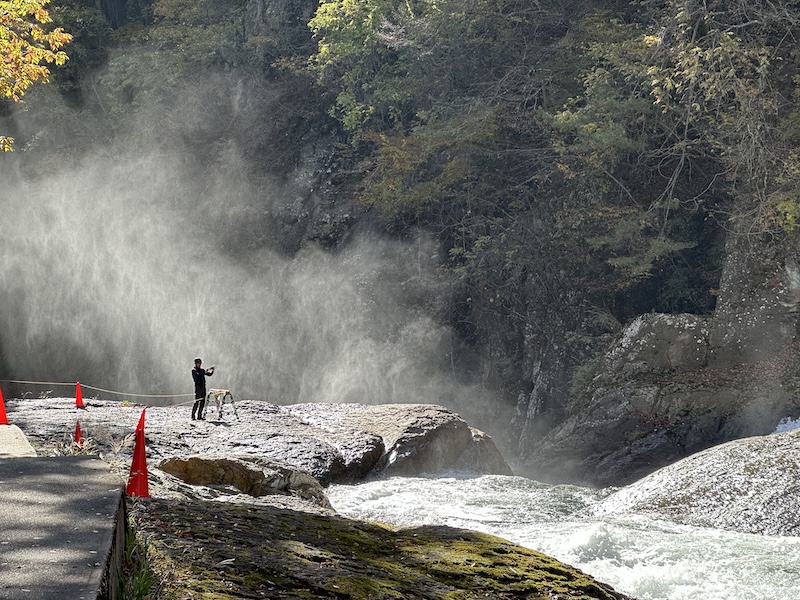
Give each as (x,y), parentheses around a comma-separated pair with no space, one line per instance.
(238,507)
(291,445)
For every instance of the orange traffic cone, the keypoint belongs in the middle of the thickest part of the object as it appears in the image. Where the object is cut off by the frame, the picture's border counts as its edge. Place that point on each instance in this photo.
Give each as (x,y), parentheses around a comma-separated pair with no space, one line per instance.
(78,436)
(78,396)
(3,416)
(137,480)
(140,426)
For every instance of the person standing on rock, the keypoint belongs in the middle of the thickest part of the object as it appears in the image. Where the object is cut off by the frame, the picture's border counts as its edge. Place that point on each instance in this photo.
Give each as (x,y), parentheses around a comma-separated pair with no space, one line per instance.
(199,375)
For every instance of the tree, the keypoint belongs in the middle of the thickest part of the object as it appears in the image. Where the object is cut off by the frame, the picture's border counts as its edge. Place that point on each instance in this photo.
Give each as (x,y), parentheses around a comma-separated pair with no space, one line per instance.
(404,63)
(356,63)
(26,48)
(681,119)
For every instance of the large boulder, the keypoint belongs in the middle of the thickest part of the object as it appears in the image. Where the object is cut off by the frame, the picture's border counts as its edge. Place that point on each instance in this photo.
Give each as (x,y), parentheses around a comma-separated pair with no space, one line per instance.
(750,485)
(415,439)
(334,443)
(655,398)
(247,475)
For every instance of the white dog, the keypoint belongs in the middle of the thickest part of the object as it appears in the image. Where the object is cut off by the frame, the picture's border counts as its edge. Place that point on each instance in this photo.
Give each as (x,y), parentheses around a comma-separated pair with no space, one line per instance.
(221,397)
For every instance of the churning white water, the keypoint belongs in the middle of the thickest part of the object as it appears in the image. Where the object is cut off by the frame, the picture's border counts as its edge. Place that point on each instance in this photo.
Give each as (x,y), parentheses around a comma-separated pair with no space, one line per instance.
(647,559)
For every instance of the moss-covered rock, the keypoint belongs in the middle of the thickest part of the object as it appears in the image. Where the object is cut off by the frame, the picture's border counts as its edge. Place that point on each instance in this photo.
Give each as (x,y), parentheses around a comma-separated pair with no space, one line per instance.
(212,551)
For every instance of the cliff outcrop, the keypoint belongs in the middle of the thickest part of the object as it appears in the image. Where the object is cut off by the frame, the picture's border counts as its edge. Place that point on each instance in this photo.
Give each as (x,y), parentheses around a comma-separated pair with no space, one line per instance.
(672,385)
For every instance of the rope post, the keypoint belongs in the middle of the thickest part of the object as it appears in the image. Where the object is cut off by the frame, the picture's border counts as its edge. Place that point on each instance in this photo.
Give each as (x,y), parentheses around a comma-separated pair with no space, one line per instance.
(3,416)
(78,396)
(78,436)
(137,479)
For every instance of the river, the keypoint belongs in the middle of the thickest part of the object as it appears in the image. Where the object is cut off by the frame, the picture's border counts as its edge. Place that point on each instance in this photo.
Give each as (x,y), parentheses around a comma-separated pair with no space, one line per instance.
(641,557)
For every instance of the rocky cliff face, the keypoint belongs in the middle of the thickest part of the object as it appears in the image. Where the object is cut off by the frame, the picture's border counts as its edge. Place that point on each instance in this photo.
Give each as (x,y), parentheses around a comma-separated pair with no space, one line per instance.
(671,385)
(598,403)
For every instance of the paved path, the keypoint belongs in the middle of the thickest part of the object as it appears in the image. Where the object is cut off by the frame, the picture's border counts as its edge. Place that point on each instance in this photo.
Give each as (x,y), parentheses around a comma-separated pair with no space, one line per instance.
(58,520)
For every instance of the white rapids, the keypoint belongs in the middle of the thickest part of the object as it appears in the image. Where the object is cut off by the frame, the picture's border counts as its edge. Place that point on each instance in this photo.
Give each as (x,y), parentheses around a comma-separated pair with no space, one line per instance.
(638,554)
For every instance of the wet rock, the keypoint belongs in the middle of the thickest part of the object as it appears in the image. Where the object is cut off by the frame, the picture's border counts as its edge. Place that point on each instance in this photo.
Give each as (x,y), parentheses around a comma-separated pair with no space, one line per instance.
(482,455)
(749,485)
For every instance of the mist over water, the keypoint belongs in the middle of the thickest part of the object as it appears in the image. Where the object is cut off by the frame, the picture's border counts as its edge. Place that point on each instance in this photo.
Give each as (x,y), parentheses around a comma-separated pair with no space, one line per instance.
(117,272)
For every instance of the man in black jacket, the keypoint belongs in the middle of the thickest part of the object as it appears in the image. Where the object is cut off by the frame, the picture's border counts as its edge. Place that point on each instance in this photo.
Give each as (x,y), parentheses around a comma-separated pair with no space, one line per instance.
(199,375)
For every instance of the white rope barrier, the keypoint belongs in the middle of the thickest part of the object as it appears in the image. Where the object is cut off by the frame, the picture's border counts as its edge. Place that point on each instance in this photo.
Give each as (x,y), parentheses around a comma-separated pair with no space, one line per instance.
(97,389)
(136,395)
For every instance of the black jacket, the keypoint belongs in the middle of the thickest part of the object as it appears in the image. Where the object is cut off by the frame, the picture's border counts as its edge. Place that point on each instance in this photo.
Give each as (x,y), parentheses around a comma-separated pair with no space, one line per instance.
(199,375)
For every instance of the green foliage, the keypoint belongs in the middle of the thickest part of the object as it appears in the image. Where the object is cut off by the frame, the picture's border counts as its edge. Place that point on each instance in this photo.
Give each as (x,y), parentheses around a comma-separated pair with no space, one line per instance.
(603,320)
(601,124)
(582,377)
(707,75)
(412,172)
(138,580)
(788,211)
(191,31)
(88,50)
(678,101)
(352,53)
(635,243)
(161,61)
(614,115)
(465,130)
(710,73)
(393,63)
(641,264)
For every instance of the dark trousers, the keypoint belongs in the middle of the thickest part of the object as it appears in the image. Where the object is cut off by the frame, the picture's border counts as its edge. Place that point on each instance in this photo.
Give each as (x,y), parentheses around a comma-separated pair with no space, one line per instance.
(197,408)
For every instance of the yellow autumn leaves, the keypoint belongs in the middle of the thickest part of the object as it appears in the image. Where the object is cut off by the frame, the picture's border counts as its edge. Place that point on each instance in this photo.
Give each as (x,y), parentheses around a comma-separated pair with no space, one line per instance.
(27,46)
